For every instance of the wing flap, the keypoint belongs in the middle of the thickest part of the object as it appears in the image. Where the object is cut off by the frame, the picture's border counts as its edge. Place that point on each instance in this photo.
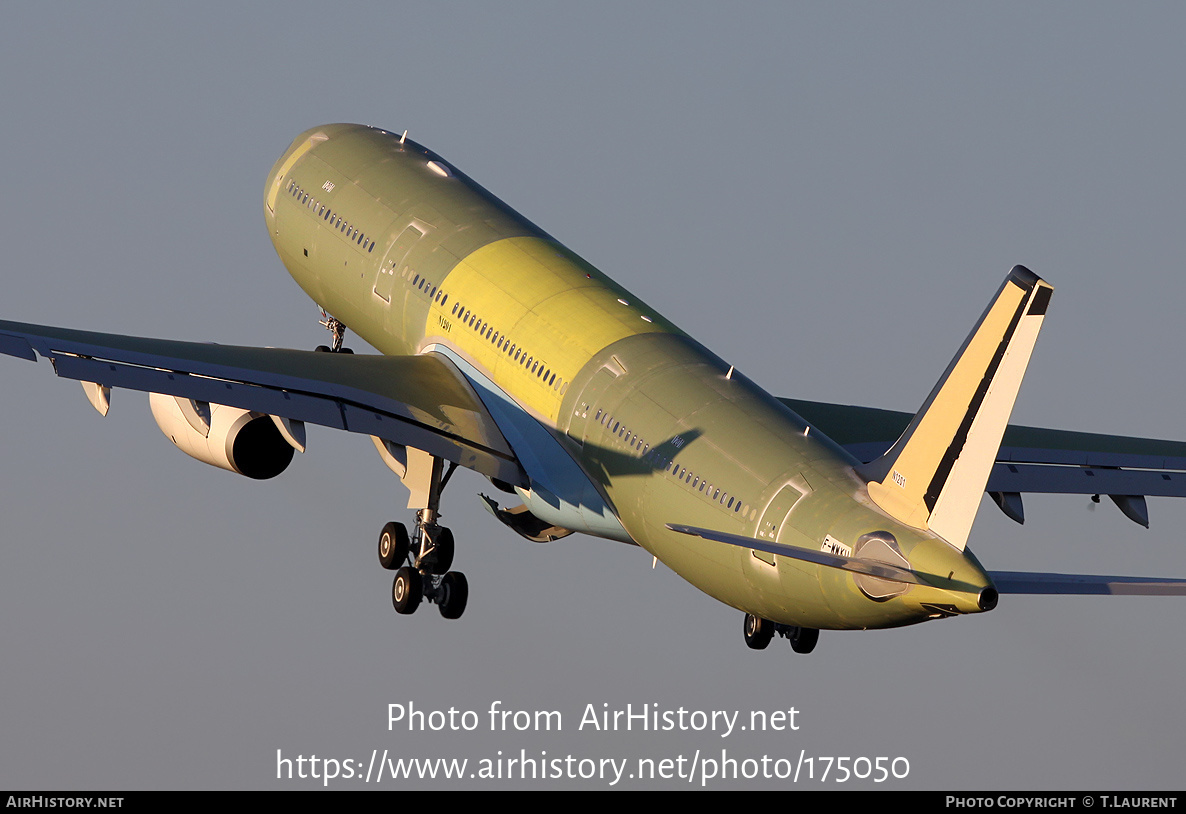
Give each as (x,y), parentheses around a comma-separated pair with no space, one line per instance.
(1080,480)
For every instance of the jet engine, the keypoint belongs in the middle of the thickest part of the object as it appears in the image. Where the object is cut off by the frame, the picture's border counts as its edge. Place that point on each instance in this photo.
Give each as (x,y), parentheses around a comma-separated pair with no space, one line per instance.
(256,445)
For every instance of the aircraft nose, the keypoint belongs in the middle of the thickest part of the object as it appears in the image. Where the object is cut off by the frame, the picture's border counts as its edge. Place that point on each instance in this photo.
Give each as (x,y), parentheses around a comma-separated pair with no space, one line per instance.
(300,145)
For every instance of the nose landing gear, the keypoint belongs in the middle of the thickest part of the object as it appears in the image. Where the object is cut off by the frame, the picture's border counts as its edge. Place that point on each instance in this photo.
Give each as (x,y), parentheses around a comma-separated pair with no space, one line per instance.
(338,329)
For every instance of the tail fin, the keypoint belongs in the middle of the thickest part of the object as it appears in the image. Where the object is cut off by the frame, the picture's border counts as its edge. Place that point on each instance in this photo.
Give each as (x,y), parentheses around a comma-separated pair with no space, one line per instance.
(934,475)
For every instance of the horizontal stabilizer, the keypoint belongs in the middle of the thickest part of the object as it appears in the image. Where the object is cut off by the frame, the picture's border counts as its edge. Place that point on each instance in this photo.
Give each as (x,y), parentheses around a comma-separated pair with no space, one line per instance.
(871,568)
(1023,582)
(935,473)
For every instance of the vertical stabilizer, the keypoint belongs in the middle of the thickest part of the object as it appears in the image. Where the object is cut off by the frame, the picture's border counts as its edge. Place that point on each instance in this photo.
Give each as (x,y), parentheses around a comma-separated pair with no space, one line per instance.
(934,475)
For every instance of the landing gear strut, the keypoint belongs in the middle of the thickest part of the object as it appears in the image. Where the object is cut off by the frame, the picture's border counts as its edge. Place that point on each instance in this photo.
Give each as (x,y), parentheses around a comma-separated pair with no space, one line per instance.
(338,329)
(422,560)
(759,632)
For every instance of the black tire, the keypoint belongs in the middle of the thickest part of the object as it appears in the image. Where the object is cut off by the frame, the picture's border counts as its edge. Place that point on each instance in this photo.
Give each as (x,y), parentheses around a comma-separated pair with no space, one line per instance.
(803,639)
(347,350)
(322,349)
(442,555)
(758,632)
(406,591)
(456,589)
(393,546)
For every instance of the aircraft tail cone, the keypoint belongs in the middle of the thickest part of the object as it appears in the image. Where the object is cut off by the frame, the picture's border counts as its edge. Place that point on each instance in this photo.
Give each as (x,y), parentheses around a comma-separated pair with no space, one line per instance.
(988,598)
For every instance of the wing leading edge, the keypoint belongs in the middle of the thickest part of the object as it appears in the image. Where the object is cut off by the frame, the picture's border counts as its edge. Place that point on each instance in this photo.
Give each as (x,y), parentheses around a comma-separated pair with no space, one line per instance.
(418,401)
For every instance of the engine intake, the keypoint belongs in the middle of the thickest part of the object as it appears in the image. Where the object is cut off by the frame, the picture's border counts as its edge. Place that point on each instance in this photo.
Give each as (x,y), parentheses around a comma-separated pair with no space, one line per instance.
(230,438)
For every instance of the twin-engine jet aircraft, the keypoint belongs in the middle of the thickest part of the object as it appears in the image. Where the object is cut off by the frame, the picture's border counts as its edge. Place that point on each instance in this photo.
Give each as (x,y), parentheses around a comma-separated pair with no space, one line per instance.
(504,352)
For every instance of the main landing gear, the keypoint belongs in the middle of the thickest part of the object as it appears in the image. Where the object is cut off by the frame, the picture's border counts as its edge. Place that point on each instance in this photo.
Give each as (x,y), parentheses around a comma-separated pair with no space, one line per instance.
(759,632)
(422,560)
(426,574)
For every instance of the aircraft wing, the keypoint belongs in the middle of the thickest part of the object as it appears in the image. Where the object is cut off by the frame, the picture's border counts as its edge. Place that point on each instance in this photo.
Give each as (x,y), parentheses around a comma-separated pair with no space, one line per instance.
(1030,459)
(418,401)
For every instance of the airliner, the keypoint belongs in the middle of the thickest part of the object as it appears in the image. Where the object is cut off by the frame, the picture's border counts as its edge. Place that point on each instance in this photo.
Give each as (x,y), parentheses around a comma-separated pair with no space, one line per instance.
(503,352)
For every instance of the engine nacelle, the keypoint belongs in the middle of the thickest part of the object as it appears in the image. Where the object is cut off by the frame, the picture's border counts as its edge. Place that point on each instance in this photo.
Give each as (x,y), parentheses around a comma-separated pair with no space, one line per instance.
(227,437)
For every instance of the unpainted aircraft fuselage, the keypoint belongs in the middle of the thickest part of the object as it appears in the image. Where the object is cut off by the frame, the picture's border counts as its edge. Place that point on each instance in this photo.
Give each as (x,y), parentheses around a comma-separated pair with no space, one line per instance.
(414,257)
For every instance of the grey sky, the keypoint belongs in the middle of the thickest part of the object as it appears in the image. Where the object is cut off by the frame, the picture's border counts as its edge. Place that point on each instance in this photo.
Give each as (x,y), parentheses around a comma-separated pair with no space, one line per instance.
(826,195)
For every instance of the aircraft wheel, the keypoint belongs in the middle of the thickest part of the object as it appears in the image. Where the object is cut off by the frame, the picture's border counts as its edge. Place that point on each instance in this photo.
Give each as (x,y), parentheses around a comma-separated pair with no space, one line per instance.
(322,349)
(442,551)
(393,545)
(406,590)
(456,589)
(758,632)
(803,639)
(346,350)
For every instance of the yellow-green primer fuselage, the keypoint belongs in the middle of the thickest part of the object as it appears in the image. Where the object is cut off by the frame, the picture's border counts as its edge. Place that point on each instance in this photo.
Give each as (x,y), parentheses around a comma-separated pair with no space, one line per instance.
(415,257)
